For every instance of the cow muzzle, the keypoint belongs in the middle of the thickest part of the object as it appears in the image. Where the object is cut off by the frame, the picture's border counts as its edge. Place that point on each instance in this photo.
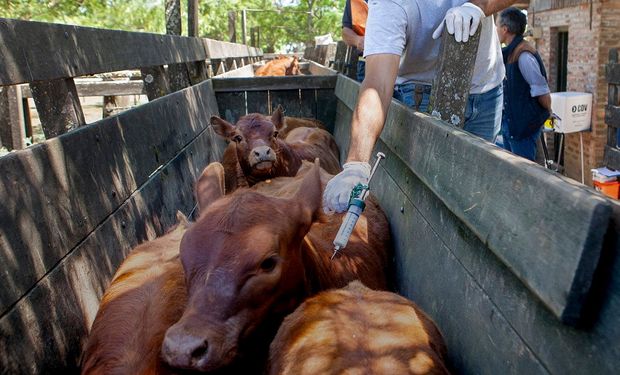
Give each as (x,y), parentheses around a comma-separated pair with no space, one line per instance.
(262,158)
(185,350)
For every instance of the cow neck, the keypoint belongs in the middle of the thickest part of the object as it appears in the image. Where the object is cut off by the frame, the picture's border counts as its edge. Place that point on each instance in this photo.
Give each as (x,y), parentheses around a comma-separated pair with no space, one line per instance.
(288,161)
(240,175)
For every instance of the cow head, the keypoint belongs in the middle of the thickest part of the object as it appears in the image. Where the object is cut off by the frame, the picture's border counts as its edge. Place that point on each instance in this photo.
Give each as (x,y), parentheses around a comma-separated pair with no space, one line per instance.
(243,269)
(293,68)
(256,138)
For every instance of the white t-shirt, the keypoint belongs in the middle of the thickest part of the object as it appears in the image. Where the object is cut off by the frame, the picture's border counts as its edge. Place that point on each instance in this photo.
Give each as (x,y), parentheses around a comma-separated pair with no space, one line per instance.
(405,28)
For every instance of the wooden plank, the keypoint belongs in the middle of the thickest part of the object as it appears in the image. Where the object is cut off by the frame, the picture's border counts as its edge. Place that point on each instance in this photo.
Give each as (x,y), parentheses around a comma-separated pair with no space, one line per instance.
(35,51)
(506,319)
(319,70)
(12,131)
(101,88)
(258,102)
(325,108)
(432,276)
(55,193)
(246,71)
(58,106)
(612,157)
(274,83)
(289,99)
(453,79)
(493,193)
(612,116)
(156,82)
(48,327)
(219,50)
(232,105)
(307,103)
(445,268)
(612,73)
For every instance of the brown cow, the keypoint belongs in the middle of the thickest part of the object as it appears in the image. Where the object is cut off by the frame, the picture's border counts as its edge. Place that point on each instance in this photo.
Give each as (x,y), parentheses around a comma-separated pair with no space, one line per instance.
(247,265)
(356,330)
(147,295)
(257,149)
(280,66)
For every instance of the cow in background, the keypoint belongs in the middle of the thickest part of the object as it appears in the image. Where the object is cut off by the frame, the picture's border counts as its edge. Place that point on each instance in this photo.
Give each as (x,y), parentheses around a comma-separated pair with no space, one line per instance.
(146,296)
(280,66)
(258,152)
(357,330)
(253,256)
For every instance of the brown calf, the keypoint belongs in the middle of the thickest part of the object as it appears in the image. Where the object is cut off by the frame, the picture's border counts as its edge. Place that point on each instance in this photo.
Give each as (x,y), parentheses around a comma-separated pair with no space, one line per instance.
(147,295)
(258,150)
(248,262)
(356,330)
(281,66)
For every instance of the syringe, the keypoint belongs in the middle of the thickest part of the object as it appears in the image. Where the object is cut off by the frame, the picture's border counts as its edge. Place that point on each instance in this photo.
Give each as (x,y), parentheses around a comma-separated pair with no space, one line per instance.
(356,206)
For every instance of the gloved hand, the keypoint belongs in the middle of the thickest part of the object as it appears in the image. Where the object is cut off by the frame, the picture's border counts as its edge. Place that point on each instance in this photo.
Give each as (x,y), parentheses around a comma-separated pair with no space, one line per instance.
(462,21)
(338,189)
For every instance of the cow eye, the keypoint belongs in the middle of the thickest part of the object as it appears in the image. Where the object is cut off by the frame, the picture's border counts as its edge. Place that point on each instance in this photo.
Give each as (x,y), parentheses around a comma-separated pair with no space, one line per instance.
(275,134)
(237,138)
(269,264)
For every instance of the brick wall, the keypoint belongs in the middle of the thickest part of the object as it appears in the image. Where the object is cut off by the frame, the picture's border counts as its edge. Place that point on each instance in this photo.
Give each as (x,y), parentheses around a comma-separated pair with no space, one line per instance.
(592,31)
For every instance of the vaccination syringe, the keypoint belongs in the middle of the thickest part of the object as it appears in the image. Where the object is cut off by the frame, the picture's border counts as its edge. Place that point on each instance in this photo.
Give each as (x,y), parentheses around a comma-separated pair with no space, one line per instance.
(356,206)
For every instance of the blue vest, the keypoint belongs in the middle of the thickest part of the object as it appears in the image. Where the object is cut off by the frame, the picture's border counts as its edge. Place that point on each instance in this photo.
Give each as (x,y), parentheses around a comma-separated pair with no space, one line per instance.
(523,114)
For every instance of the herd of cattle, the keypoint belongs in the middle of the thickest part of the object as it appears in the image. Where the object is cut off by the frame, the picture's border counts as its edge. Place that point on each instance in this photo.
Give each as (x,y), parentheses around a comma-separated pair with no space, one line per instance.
(249,287)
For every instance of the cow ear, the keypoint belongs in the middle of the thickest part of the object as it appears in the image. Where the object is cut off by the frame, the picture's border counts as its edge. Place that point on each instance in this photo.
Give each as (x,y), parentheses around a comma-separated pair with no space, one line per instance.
(222,127)
(277,117)
(210,185)
(310,193)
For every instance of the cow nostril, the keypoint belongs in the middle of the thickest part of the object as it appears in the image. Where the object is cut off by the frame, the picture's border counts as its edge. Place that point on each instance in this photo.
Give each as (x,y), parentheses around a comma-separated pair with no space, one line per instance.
(268,151)
(200,351)
(256,153)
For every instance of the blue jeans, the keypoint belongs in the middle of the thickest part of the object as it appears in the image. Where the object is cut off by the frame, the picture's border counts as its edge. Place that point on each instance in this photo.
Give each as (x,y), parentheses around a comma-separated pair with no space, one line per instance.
(525,147)
(407,94)
(361,70)
(483,115)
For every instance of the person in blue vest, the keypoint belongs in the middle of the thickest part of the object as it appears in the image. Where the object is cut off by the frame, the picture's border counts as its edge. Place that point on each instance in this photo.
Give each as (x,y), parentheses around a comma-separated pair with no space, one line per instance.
(527,101)
(354,29)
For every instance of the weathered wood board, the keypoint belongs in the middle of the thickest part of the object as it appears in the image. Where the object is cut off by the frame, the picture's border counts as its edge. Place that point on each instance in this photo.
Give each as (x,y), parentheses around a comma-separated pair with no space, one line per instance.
(36,51)
(492,323)
(55,193)
(44,331)
(494,193)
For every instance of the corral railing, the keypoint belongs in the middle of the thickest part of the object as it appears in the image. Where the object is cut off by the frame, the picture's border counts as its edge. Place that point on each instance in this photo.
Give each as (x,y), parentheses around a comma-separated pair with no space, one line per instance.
(49,56)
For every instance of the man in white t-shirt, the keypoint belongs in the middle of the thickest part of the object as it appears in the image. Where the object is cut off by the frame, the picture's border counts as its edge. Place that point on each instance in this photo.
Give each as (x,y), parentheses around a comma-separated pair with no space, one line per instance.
(401,47)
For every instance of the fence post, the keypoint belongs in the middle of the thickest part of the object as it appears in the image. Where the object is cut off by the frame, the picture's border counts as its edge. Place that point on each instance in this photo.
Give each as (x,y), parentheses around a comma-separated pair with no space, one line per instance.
(11,118)
(155,82)
(58,106)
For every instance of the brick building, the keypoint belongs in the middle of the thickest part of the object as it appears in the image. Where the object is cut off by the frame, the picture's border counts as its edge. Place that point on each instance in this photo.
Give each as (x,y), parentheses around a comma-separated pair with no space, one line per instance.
(573,38)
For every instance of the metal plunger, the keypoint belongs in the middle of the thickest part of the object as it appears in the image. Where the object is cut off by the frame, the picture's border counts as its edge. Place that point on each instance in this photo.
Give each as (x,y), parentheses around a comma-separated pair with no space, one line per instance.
(356,206)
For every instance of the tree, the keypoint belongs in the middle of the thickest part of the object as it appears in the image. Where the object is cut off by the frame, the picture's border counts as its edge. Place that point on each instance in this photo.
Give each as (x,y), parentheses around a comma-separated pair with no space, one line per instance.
(280,22)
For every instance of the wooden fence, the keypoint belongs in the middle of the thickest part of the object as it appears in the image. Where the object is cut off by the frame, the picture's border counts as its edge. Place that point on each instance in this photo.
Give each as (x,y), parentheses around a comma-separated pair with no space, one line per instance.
(62,52)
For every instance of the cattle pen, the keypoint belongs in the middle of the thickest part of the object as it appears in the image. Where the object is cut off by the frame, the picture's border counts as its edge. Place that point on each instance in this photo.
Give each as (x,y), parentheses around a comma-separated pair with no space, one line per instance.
(517,265)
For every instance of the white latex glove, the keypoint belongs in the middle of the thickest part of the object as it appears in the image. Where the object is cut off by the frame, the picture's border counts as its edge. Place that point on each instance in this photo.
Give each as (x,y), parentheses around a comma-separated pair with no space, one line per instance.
(338,189)
(462,21)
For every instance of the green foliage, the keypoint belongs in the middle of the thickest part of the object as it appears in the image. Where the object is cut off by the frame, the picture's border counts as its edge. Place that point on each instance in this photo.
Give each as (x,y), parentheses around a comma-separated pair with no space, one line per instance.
(279,23)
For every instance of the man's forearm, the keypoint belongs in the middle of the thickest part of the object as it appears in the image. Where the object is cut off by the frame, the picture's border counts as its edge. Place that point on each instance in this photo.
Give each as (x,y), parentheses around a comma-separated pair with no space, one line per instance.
(349,36)
(545,101)
(492,6)
(372,105)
